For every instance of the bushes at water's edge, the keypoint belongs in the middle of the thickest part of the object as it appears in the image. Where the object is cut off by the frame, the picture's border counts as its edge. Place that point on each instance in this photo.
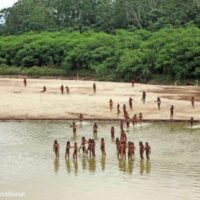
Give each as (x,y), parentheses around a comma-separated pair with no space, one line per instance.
(141,55)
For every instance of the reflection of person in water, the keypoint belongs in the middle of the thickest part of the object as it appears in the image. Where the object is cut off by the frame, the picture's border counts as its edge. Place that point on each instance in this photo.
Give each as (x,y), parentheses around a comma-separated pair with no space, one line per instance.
(75,167)
(84,165)
(68,166)
(92,164)
(103,163)
(56,165)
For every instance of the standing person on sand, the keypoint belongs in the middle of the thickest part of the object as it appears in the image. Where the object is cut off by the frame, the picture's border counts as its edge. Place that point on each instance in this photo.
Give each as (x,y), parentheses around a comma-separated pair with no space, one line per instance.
(133,83)
(118,109)
(62,89)
(143,97)
(191,121)
(94,88)
(172,112)
(192,101)
(111,104)
(25,82)
(158,102)
(67,89)
(56,148)
(131,103)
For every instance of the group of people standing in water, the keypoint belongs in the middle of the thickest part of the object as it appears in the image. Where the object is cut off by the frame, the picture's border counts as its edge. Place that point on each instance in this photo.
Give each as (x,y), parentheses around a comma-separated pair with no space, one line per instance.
(88,147)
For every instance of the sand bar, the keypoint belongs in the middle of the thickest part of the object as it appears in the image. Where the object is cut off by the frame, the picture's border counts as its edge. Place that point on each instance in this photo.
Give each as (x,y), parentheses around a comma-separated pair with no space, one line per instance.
(28,103)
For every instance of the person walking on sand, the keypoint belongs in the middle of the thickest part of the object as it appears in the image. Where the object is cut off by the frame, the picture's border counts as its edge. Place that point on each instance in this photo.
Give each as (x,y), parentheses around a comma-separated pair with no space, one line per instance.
(158,102)
(172,112)
(62,89)
(133,83)
(94,88)
(111,104)
(143,97)
(192,101)
(25,82)
(56,148)
(67,89)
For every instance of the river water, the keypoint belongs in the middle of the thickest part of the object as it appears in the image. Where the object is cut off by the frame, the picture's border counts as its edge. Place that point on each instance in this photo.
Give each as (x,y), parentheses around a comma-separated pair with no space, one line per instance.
(27,163)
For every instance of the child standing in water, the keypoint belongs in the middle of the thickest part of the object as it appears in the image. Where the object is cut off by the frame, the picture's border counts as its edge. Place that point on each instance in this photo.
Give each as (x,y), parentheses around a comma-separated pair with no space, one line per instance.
(95,128)
(67,152)
(75,151)
(147,150)
(111,104)
(56,148)
(73,125)
(94,88)
(103,149)
(141,147)
(172,112)
(112,132)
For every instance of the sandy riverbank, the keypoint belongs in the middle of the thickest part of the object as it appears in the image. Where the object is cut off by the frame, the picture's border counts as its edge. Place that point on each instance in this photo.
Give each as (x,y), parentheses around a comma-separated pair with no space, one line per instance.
(18,102)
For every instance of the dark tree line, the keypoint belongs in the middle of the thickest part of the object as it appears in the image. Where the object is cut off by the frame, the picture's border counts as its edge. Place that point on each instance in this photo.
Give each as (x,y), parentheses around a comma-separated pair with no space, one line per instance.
(99,15)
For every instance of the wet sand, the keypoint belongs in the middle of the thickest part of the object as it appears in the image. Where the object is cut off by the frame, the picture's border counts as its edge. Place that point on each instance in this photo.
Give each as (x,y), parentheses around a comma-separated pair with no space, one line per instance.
(18,102)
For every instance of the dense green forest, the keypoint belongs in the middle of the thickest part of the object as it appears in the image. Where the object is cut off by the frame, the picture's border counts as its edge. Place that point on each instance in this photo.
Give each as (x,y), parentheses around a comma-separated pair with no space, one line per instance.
(141,54)
(106,39)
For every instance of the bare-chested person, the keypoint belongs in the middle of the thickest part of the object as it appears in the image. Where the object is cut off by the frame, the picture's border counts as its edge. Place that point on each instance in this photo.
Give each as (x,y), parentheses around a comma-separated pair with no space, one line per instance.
(158,102)
(191,121)
(103,147)
(81,117)
(141,147)
(134,120)
(192,101)
(140,118)
(147,150)
(67,151)
(56,148)
(44,89)
(118,109)
(25,82)
(131,103)
(62,89)
(112,132)
(143,97)
(83,143)
(67,89)
(172,112)
(73,125)
(111,104)
(94,88)
(124,110)
(95,128)
(123,136)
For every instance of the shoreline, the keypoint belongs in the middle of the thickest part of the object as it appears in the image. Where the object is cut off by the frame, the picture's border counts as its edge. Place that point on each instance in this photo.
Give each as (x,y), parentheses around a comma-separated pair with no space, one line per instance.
(21,103)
